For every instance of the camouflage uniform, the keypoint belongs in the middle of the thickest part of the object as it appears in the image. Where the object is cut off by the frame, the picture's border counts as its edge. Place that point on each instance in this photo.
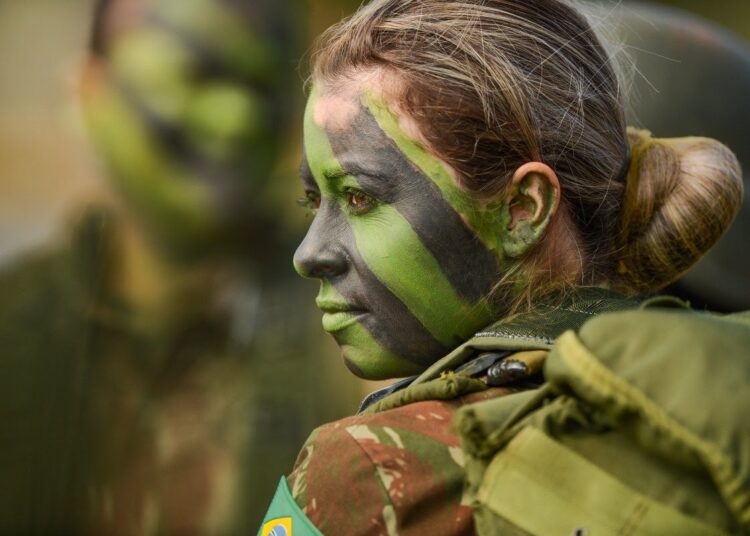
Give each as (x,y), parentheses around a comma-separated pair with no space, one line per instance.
(449,454)
(398,466)
(398,471)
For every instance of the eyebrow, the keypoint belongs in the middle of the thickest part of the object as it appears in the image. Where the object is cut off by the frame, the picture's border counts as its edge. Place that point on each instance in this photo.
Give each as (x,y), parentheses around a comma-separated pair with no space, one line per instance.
(352,170)
(333,174)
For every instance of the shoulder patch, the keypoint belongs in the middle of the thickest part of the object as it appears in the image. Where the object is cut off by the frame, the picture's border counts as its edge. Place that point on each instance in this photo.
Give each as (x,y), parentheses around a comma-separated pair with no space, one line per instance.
(284,517)
(281,526)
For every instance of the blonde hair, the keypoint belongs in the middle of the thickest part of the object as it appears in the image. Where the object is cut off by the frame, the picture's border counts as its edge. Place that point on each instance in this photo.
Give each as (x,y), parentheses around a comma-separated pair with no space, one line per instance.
(494,84)
(682,194)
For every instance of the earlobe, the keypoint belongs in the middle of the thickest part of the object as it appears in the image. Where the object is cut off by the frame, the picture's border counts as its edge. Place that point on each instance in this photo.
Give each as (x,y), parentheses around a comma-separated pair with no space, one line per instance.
(532,201)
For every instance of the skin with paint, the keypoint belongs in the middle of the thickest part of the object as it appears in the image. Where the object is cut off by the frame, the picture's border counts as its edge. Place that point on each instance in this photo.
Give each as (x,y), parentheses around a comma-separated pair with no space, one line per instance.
(407,260)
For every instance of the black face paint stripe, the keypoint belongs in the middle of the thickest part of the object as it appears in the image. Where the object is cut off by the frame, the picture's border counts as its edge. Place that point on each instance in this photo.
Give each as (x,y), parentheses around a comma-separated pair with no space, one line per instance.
(470,267)
(412,341)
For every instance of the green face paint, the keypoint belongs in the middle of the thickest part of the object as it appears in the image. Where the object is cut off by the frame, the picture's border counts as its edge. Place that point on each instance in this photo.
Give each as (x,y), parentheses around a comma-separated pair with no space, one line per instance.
(487,219)
(364,355)
(177,209)
(410,274)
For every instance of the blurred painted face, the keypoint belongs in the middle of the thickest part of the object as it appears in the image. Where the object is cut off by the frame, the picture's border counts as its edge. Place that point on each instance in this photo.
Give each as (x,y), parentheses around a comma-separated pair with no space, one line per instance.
(405,258)
(183,113)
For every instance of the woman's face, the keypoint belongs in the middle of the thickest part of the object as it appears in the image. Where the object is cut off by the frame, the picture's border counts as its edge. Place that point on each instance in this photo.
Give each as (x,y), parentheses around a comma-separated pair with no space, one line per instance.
(405,258)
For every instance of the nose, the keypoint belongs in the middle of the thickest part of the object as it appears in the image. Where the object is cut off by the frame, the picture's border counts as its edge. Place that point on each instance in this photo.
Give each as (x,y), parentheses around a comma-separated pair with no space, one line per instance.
(321,255)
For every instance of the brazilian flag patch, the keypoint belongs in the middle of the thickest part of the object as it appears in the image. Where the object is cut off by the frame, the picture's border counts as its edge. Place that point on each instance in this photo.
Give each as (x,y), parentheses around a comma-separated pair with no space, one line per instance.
(285,517)
(281,526)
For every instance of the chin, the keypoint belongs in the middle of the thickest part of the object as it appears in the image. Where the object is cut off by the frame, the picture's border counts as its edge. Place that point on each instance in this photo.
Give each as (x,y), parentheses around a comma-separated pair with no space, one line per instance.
(354,368)
(370,365)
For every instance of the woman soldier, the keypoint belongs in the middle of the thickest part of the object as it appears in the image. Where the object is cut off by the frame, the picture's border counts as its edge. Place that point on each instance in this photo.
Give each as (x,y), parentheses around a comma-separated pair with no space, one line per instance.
(479,203)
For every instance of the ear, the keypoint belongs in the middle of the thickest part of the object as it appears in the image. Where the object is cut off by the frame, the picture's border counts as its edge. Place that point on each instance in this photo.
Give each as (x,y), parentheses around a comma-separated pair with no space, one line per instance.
(532,201)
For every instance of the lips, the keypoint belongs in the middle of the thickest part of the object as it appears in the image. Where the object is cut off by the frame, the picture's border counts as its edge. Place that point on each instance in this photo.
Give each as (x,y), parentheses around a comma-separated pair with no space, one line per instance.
(338,315)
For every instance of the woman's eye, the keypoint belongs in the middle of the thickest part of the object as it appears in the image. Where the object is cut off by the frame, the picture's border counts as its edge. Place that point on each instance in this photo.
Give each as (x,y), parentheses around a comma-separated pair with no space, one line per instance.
(311,201)
(359,202)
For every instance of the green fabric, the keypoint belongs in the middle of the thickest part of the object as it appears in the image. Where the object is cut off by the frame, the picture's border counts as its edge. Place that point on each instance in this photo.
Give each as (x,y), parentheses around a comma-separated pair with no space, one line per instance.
(284,512)
(625,379)
(545,488)
(447,387)
(650,400)
(487,426)
(655,398)
(534,330)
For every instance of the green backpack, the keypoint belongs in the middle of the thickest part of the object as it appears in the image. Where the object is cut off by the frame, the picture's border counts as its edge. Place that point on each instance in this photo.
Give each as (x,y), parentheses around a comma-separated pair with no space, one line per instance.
(642,427)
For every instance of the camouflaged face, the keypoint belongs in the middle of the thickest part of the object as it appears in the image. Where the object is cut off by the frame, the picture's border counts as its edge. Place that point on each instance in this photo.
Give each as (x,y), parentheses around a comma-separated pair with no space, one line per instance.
(406,259)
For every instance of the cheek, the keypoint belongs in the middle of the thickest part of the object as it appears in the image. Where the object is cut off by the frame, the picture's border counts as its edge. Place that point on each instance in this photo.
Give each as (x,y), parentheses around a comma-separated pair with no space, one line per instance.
(394,253)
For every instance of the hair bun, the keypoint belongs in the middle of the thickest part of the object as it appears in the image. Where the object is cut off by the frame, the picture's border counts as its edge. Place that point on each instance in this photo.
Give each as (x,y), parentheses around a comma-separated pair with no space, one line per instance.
(681,196)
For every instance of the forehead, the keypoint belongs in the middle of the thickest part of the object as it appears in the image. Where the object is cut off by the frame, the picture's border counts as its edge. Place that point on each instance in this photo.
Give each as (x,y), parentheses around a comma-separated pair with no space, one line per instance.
(334,112)
(340,128)
(335,108)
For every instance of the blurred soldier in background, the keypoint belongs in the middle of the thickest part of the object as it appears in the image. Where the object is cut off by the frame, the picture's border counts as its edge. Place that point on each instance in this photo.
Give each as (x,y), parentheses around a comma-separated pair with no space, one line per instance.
(152,385)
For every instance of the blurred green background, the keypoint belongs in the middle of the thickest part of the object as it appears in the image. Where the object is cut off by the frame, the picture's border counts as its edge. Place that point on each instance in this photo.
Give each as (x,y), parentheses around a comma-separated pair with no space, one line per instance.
(150,393)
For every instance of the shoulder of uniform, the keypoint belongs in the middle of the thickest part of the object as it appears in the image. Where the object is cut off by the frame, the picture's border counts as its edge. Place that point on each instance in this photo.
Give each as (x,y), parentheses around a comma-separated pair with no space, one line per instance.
(430,418)
(383,466)
(324,476)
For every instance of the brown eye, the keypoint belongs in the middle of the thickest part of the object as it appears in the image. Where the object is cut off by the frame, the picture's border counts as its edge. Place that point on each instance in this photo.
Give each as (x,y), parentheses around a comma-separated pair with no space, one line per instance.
(359,202)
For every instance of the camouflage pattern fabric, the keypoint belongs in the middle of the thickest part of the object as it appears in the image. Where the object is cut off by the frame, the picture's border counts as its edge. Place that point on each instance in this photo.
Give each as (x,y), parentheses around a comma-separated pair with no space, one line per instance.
(94,386)
(75,466)
(396,472)
(398,467)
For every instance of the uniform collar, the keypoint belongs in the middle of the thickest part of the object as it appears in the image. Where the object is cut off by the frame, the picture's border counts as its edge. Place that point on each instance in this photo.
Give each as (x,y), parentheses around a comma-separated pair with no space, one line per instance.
(532,330)
(536,329)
